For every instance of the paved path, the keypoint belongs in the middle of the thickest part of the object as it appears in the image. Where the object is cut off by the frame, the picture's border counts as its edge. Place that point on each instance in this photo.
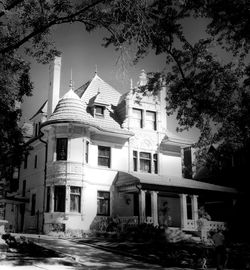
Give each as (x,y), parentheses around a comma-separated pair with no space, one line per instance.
(87,257)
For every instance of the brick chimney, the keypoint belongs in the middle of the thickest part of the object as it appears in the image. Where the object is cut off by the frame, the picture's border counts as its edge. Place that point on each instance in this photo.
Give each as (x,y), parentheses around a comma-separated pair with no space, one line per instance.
(54,84)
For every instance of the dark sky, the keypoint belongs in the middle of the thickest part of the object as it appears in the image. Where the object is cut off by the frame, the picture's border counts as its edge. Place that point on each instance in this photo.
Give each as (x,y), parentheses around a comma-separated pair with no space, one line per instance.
(82,52)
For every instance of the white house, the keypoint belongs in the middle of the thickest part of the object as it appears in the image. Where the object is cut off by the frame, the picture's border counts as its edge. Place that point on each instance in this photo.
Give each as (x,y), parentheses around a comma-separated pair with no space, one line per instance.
(98,153)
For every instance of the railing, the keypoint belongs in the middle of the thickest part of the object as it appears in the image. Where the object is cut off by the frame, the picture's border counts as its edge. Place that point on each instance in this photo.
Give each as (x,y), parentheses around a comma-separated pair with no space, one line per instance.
(215,225)
(128,221)
(191,225)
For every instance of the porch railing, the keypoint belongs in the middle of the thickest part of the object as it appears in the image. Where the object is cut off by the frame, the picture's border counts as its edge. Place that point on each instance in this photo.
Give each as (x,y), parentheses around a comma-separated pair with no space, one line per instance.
(191,225)
(215,225)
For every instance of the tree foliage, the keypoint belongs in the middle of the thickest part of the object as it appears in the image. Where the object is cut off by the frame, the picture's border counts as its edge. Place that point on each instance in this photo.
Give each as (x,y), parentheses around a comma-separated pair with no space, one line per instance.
(205,92)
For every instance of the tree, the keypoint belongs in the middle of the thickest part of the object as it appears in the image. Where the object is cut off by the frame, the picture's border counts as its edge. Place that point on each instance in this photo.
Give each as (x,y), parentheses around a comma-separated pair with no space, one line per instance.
(204,91)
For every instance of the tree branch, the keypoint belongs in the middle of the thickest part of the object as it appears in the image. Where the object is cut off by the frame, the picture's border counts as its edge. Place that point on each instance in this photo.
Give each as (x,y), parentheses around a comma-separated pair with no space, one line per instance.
(60,20)
(12,5)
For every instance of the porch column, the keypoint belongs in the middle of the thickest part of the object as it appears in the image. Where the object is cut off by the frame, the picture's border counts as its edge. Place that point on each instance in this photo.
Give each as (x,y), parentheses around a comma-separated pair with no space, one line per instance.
(142,204)
(194,201)
(67,199)
(154,207)
(183,203)
(51,203)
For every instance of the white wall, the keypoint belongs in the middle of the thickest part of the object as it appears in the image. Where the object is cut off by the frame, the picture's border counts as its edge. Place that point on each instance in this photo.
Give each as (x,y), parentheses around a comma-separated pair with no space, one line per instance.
(170,165)
(75,148)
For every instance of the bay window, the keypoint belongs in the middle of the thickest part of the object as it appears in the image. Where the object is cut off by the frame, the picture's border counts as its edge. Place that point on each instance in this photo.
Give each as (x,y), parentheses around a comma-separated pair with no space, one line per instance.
(147,162)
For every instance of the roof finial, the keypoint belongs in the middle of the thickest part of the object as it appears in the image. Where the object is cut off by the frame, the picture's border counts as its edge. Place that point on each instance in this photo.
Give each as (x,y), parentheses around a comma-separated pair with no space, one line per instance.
(71,80)
(95,69)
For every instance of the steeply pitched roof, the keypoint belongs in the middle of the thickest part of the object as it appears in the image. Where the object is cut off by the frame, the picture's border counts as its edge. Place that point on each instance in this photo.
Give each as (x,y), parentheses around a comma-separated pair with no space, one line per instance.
(42,109)
(90,89)
(75,106)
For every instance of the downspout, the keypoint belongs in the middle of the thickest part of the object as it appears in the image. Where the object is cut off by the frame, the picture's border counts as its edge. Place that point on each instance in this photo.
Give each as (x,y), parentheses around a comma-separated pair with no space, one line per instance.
(45,174)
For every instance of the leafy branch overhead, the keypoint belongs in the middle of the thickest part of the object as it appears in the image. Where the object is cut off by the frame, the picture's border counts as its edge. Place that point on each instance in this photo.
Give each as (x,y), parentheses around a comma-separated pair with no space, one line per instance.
(204,91)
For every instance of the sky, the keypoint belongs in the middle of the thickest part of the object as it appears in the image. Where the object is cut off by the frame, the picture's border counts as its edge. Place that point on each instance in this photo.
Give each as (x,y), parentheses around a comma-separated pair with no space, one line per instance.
(83,53)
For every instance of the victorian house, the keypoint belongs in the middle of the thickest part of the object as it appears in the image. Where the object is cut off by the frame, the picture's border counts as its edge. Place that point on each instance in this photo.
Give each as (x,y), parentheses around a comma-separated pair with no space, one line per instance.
(98,153)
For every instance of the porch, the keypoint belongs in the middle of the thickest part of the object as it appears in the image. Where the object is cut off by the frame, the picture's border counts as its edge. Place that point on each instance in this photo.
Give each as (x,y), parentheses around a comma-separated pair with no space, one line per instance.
(140,199)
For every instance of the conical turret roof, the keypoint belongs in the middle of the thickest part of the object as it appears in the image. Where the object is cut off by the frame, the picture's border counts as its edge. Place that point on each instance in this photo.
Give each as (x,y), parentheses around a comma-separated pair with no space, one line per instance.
(69,108)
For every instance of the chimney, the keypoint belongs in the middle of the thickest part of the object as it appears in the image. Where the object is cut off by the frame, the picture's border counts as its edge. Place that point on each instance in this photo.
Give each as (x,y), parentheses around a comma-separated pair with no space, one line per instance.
(54,84)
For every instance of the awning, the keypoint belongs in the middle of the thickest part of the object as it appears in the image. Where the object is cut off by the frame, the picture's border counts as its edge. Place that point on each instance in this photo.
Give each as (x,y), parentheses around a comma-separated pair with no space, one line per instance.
(133,181)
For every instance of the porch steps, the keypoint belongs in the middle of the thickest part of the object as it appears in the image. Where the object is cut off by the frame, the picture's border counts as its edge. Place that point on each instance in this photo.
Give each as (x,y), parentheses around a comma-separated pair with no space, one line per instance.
(192,235)
(175,234)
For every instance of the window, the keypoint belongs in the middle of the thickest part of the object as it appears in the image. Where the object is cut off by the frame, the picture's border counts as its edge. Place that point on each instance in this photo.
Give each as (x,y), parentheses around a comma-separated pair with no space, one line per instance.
(150,122)
(104,156)
(25,161)
(59,199)
(48,200)
(87,152)
(75,199)
(135,157)
(99,111)
(145,162)
(35,162)
(187,162)
(137,118)
(37,129)
(33,205)
(155,160)
(61,148)
(24,188)
(103,201)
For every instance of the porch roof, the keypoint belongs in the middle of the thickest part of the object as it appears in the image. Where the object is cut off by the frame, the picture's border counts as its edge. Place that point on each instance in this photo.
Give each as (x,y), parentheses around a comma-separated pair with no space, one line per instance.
(167,183)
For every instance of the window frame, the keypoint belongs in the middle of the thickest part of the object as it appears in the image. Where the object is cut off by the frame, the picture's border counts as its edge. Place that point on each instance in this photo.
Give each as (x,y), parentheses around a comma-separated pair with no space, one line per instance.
(24,188)
(35,162)
(102,200)
(48,197)
(153,161)
(74,194)
(136,119)
(60,156)
(152,122)
(104,157)
(135,161)
(33,204)
(145,159)
(87,152)
(25,164)
(99,114)
(59,199)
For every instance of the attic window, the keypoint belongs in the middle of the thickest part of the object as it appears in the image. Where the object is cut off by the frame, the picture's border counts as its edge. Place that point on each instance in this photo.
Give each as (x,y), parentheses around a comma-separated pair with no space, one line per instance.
(99,111)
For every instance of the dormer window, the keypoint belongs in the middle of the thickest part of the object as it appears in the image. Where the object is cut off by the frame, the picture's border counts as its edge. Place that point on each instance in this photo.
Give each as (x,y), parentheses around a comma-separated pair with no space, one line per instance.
(99,111)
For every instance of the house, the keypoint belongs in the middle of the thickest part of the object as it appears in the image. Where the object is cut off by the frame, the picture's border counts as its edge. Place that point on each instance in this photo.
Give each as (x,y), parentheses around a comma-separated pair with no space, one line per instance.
(98,153)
